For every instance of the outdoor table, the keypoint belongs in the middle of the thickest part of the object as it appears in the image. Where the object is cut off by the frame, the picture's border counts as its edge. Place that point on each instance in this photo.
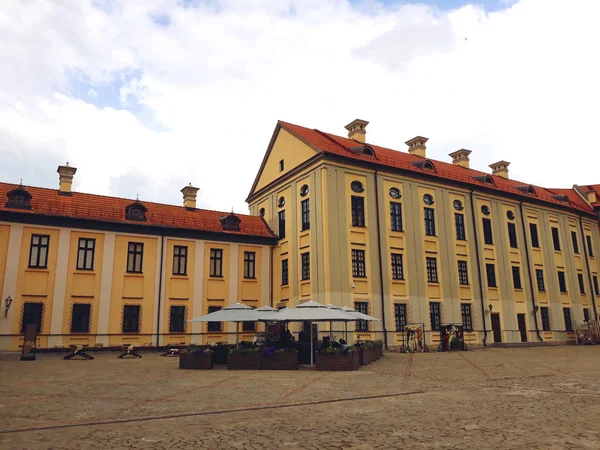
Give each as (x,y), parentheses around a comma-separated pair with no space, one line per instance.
(128,350)
(78,350)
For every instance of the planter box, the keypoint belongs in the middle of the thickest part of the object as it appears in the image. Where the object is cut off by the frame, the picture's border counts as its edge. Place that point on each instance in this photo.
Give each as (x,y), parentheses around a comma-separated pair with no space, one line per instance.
(244,361)
(220,353)
(338,361)
(368,355)
(280,361)
(195,361)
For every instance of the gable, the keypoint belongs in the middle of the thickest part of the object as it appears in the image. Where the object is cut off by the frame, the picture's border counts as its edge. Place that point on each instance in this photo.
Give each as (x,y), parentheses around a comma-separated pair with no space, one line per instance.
(288,148)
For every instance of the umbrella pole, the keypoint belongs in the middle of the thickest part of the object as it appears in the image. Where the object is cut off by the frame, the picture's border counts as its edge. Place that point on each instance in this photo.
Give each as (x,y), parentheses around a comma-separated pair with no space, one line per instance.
(311,343)
(346,327)
(237,336)
(330,331)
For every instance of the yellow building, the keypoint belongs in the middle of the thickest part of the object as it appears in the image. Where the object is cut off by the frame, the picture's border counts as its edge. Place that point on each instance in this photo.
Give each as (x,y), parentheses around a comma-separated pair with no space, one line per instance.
(413,240)
(393,234)
(104,271)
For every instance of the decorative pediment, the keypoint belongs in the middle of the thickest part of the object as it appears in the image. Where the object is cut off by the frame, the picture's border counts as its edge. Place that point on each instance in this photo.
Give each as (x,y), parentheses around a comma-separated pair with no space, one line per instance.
(230,222)
(136,211)
(18,198)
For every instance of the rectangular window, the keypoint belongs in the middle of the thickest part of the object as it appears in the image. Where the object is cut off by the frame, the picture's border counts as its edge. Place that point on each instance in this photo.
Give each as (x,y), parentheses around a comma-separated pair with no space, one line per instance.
(545,318)
(358,264)
(467,317)
(358,211)
(459,223)
(586,315)
(281,215)
(85,254)
(32,313)
(589,245)
(80,318)
(249,265)
(567,316)
(581,283)
(429,221)
(284,272)
(216,262)
(38,252)
(305,207)
(305,266)
(214,327)
(249,326)
(435,316)
(562,283)
(516,273)
(432,275)
(555,239)
(463,273)
(362,307)
(490,270)
(131,318)
(575,242)
(596,287)
(400,315)
(281,165)
(535,242)
(539,276)
(180,260)
(135,257)
(396,216)
(177,319)
(512,235)
(487,232)
(397,267)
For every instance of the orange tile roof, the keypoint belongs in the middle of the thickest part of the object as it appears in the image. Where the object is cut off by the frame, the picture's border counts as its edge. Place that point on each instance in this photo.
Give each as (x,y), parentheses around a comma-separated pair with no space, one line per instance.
(47,202)
(337,145)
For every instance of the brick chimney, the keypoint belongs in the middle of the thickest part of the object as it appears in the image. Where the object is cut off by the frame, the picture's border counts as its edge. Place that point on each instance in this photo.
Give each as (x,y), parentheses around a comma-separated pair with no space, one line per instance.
(357,130)
(416,146)
(65,177)
(461,157)
(189,196)
(500,168)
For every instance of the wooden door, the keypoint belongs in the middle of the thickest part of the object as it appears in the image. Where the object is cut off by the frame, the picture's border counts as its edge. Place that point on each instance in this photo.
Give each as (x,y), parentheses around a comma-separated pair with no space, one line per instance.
(522,327)
(496,327)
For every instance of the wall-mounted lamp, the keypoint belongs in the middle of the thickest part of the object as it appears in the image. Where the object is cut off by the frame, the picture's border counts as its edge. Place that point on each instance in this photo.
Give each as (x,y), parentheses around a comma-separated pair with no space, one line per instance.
(7,302)
(536,308)
(489,310)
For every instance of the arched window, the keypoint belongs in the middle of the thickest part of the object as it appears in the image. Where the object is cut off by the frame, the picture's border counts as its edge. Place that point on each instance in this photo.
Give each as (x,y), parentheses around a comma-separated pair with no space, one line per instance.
(424,164)
(136,211)
(18,198)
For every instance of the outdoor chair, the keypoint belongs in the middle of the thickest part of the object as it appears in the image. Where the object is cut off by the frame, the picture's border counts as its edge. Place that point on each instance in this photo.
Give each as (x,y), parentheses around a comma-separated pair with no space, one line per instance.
(78,350)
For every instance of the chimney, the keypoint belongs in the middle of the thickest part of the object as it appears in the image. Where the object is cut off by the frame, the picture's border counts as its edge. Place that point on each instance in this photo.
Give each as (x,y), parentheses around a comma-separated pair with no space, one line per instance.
(461,157)
(357,130)
(591,196)
(189,196)
(416,146)
(500,168)
(65,177)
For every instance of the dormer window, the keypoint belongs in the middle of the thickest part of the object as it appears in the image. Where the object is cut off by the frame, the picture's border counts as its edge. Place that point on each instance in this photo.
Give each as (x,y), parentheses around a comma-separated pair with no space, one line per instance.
(368,151)
(136,211)
(486,179)
(18,198)
(230,222)
(528,189)
(362,150)
(425,164)
(561,198)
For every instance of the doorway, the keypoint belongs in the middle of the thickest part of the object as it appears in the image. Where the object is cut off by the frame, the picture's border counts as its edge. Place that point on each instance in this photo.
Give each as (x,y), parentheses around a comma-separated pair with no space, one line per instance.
(496,327)
(522,327)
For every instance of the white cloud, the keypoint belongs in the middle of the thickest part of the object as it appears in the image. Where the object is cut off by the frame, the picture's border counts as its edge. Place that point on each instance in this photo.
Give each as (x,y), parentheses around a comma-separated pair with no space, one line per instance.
(212,80)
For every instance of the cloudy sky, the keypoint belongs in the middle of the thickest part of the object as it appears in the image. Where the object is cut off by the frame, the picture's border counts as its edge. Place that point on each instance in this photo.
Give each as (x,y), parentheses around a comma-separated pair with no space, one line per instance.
(144,97)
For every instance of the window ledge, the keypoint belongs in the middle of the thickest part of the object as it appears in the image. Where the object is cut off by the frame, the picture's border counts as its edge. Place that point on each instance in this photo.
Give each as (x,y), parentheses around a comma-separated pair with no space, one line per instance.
(37,269)
(250,280)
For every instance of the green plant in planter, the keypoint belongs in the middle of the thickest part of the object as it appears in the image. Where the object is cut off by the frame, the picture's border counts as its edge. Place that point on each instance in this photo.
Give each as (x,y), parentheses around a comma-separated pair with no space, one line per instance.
(272,351)
(197,349)
(331,349)
(245,350)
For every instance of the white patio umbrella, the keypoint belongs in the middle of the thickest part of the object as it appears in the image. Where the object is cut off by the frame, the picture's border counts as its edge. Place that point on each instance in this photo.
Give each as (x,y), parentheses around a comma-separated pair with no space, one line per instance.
(233,313)
(310,311)
(358,315)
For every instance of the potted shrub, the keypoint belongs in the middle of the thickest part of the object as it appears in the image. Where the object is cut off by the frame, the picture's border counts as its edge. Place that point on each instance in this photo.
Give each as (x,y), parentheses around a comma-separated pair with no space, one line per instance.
(280,359)
(338,359)
(195,357)
(244,358)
